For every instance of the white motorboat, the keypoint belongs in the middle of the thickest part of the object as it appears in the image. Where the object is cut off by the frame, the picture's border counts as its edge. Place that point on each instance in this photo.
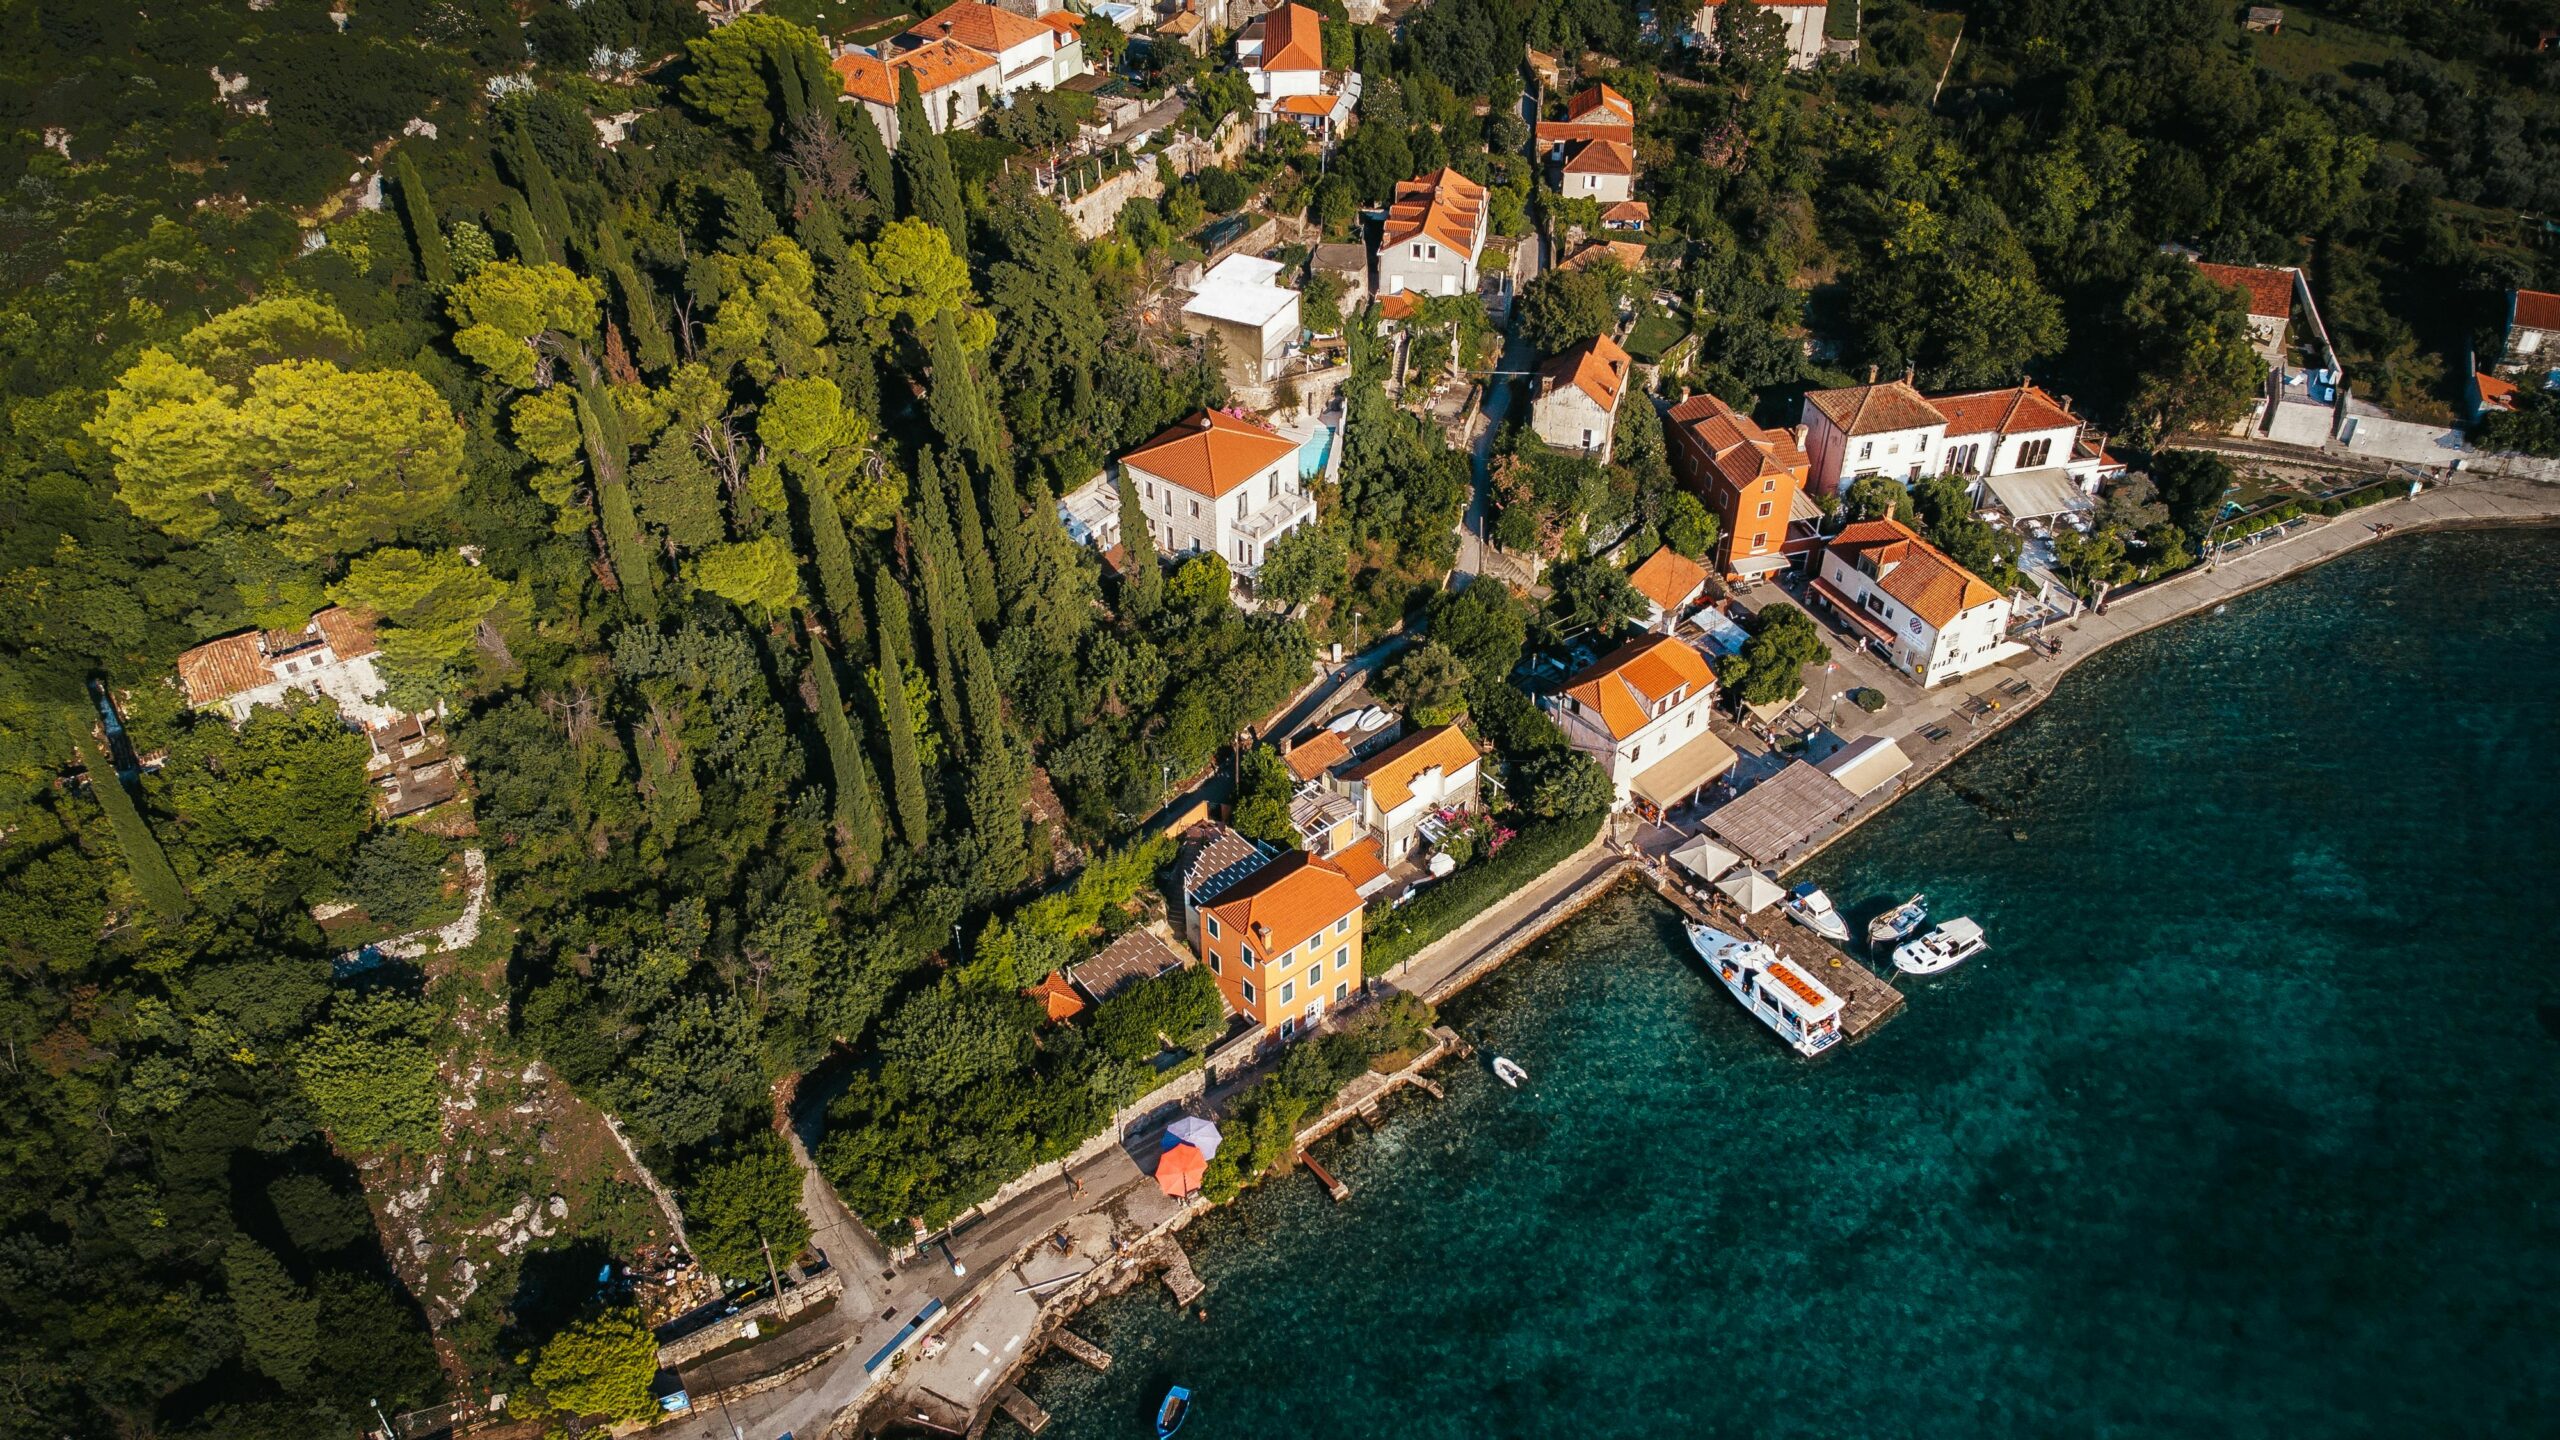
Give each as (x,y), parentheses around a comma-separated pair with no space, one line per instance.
(1508,1071)
(1812,909)
(1944,948)
(1899,923)
(1800,1008)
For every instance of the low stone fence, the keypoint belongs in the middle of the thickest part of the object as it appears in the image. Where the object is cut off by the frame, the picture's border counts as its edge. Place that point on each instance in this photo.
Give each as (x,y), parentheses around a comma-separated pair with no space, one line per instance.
(729,1329)
(1165,1098)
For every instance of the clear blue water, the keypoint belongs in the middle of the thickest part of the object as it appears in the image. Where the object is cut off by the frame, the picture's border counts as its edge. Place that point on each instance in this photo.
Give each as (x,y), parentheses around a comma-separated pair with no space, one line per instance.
(1313,454)
(2248,1125)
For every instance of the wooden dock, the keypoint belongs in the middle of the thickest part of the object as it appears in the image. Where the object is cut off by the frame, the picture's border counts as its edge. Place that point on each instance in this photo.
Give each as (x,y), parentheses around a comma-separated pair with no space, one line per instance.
(1866,1000)
(1336,1188)
(1083,1349)
(1025,1411)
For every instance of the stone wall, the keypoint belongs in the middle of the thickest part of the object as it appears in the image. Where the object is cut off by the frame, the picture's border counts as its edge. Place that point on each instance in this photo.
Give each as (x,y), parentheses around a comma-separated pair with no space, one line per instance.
(731,1328)
(1092,214)
(1157,1104)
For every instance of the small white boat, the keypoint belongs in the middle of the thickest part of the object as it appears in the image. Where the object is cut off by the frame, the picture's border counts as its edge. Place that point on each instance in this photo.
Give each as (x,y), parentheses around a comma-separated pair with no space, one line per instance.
(1800,1008)
(1944,948)
(1346,722)
(1508,1071)
(1899,923)
(1375,717)
(1812,909)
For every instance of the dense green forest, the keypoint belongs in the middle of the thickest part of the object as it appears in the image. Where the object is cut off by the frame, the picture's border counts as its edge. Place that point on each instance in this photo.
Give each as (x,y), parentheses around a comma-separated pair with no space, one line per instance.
(707,479)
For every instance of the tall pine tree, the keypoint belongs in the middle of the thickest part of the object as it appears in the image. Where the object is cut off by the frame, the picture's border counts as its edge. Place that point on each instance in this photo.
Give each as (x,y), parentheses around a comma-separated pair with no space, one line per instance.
(857,801)
(929,555)
(928,188)
(837,582)
(1142,582)
(435,262)
(969,534)
(906,772)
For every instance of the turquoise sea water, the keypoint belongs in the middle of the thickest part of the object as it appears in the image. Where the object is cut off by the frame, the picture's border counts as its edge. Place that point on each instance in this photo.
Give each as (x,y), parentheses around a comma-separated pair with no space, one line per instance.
(2248,1125)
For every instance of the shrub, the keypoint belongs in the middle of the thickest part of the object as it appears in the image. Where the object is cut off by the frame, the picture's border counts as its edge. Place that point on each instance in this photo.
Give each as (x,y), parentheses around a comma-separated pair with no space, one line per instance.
(1871,701)
(1261,1131)
(1395,935)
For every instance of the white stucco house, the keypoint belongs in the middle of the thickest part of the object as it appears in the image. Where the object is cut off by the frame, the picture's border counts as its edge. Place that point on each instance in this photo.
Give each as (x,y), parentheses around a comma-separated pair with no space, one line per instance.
(332,656)
(1934,619)
(1434,236)
(1241,301)
(1407,783)
(1220,484)
(1578,396)
(1891,429)
(1642,711)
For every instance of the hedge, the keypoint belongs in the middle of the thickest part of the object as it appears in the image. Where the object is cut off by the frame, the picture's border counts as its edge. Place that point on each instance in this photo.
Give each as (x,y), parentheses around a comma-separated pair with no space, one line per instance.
(1395,935)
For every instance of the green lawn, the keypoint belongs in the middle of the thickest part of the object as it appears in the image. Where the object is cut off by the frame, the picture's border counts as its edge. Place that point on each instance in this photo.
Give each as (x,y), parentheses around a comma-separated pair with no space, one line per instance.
(1654,333)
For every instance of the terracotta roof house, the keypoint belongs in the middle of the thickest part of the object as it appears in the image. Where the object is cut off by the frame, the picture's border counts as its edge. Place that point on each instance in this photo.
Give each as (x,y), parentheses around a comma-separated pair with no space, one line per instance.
(1752,478)
(1626,215)
(332,655)
(1057,998)
(1310,759)
(1602,170)
(1137,956)
(1670,582)
(1028,53)
(1284,942)
(1597,112)
(1930,616)
(1890,429)
(1220,484)
(1578,397)
(1629,255)
(1643,711)
(956,83)
(2267,292)
(1434,236)
(1211,858)
(2532,345)
(1282,56)
(1403,786)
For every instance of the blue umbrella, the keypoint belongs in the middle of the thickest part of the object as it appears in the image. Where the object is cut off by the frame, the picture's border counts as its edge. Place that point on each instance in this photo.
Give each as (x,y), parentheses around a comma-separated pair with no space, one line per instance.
(1193,1131)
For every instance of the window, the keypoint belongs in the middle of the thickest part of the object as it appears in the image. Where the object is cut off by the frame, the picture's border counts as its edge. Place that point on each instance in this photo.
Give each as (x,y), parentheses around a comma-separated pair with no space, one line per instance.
(1874,602)
(1961,458)
(1867,450)
(1214,932)
(1248,956)
(1636,754)
(1214,967)
(1586,439)
(1342,992)
(1289,1029)
(1195,509)
(1149,488)
(1764,509)
(1288,991)
(1769,486)
(2035,453)
(1248,992)
(1342,957)
(1342,925)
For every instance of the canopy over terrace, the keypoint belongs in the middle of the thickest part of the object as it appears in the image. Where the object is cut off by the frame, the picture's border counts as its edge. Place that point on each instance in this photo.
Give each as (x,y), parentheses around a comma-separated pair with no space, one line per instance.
(1677,776)
(1780,813)
(1751,890)
(1704,858)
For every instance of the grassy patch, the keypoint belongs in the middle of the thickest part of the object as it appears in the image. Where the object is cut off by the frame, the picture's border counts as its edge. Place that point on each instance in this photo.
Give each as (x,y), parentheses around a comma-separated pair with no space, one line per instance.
(2313,44)
(1653,334)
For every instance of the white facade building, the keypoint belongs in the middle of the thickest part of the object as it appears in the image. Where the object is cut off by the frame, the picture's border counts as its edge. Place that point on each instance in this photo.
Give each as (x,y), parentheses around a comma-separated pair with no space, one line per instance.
(1642,711)
(1434,236)
(1889,429)
(1255,317)
(1935,619)
(1216,484)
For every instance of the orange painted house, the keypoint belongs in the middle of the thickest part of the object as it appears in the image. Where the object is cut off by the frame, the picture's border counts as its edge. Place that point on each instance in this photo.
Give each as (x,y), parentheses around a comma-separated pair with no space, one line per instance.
(1284,942)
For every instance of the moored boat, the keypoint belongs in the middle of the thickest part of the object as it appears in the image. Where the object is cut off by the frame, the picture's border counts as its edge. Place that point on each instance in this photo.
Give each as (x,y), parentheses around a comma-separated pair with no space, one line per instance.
(1943,948)
(1899,923)
(1800,1008)
(1508,1071)
(1809,907)
(1170,1415)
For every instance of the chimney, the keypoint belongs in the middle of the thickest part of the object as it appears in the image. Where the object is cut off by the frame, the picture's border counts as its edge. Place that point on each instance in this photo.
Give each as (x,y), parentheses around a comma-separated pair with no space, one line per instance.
(1871,374)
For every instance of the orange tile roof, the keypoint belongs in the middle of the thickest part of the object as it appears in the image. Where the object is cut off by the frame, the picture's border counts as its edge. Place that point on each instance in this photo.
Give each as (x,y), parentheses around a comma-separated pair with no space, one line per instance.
(1391,772)
(1180,25)
(1448,207)
(2011,410)
(1065,22)
(1913,571)
(1875,409)
(1287,901)
(979,26)
(1623,686)
(1292,39)
(937,64)
(1601,157)
(219,669)
(1668,578)
(2496,392)
(2268,291)
(1599,103)
(1596,367)
(348,632)
(2537,309)
(1627,210)
(1361,863)
(1308,104)
(1309,759)
(1402,305)
(1629,255)
(1058,997)
(1211,453)
(1737,450)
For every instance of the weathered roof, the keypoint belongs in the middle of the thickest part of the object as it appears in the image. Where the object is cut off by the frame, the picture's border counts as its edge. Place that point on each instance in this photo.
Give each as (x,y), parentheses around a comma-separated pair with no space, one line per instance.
(1363,863)
(1735,448)
(1874,409)
(1288,900)
(1780,813)
(219,669)
(1623,686)
(936,64)
(1391,772)
(2010,410)
(1057,997)
(1668,578)
(979,26)
(1138,955)
(2535,309)
(1927,582)
(1634,212)
(1596,367)
(1215,857)
(1597,102)
(1292,39)
(1446,207)
(1866,763)
(1180,25)
(2268,291)
(1402,305)
(1310,758)
(1601,157)
(1211,453)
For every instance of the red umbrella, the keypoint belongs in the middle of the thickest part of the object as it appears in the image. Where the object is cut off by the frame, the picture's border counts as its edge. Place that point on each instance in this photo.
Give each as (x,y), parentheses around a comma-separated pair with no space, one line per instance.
(1179,1169)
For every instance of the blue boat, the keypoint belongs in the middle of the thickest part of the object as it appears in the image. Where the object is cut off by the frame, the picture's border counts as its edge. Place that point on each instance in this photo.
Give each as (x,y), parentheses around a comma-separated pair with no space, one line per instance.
(1170,1415)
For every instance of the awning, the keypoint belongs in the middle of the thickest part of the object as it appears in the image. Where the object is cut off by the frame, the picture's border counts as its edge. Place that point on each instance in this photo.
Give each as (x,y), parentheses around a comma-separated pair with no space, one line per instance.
(1850,611)
(1751,890)
(1754,566)
(1676,776)
(2036,494)
(1864,765)
(1704,858)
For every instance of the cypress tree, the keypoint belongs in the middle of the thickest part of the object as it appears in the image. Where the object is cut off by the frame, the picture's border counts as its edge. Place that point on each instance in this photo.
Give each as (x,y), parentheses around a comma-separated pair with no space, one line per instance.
(994,794)
(970,534)
(872,154)
(906,775)
(836,579)
(639,300)
(435,263)
(541,189)
(951,399)
(857,807)
(930,554)
(1142,586)
(143,857)
(929,190)
(525,232)
(626,548)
